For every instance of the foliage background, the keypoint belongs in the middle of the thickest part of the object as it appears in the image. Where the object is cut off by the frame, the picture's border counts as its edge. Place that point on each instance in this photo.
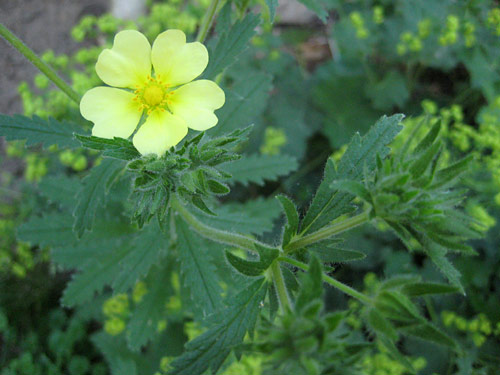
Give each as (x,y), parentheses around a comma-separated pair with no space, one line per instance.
(308,89)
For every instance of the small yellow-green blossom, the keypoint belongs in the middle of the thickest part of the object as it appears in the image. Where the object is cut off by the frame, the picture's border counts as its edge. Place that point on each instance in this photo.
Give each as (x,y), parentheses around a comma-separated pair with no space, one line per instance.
(114,326)
(274,139)
(116,306)
(409,41)
(168,97)
(378,14)
(140,290)
(450,33)
(359,25)
(470,37)
(424,28)
(493,20)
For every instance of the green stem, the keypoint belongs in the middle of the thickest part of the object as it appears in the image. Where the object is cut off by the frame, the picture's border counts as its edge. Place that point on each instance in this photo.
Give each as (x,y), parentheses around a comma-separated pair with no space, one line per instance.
(207,21)
(214,234)
(279,283)
(35,60)
(326,232)
(330,280)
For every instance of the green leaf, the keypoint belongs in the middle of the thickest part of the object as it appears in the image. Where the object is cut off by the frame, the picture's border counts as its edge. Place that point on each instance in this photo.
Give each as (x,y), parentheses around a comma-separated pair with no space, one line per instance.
(245,101)
(61,190)
(311,286)
(217,187)
(253,268)
(257,168)
(210,349)
(93,193)
(231,44)
(381,325)
(54,229)
(272,5)
(292,218)
(451,172)
(361,154)
(252,217)
(317,7)
(420,165)
(149,248)
(143,324)
(353,187)
(334,254)
(389,92)
(37,130)
(197,270)
(429,332)
(95,274)
(117,355)
(429,139)
(438,257)
(117,148)
(422,289)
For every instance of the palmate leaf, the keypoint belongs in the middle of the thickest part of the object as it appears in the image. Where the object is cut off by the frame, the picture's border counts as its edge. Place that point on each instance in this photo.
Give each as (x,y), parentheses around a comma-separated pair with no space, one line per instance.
(113,254)
(36,130)
(311,284)
(199,278)
(251,217)
(118,148)
(60,190)
(143,324)
(359,157)
(149,248)
(93,193)
(258,168)
(245,102)
(209,350)
(230,44)
(53,229)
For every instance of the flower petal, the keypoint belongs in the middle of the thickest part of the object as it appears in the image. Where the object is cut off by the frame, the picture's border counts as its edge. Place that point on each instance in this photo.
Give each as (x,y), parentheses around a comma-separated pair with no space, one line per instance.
(176,61)
(161,131)
(112,111)
(196,101)
(128,63)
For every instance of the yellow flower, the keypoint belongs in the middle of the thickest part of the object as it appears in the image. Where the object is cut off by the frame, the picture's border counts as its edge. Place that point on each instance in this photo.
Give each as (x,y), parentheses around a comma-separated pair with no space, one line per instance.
(169,98)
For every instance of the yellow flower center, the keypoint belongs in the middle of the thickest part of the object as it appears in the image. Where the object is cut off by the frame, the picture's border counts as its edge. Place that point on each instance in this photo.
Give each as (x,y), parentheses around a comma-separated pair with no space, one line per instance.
(152,95)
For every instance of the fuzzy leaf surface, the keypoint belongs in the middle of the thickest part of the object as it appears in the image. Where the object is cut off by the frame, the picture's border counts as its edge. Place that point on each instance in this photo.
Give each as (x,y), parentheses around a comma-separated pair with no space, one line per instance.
(360,155)
(117,148)
(231,44)
(245,101)
(198,272)
(258,168)
(93,192)
(209,350)
(36,130)
(251,217)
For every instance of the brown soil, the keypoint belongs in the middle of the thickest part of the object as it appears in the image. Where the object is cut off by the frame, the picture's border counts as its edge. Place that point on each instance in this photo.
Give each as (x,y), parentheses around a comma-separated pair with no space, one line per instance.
(42,25)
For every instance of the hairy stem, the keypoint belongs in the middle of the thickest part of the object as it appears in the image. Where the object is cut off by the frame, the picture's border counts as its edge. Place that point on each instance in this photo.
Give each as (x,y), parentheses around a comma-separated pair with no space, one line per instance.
(330,280)
(207,21)
(326,232)
(279,283)
(214,234)
(35,60)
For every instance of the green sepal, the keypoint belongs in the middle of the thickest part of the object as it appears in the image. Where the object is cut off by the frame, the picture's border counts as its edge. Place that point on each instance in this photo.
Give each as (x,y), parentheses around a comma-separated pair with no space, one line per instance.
(292,217)
(118,148)
(253,268)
